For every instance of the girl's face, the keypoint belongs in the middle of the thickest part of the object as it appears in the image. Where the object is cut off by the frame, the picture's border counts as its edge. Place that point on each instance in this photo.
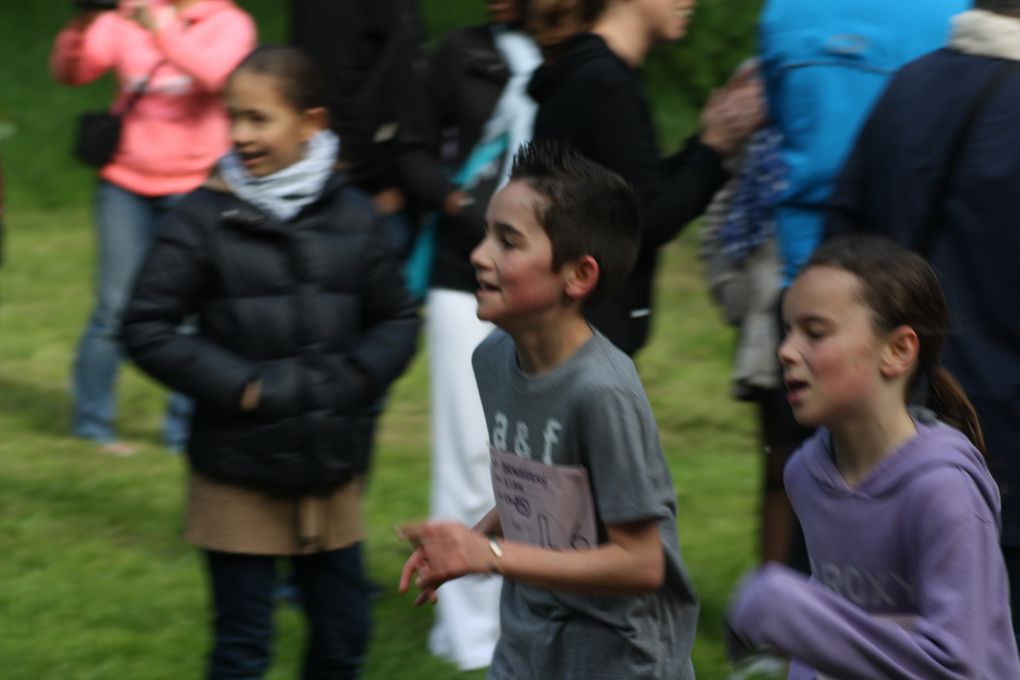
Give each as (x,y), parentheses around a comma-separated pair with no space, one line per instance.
(831,356)
(667,19)
(268,132)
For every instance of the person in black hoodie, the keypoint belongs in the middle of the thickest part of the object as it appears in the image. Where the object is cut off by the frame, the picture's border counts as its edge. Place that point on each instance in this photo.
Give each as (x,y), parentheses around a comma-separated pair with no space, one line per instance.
(372,55)
(478,114)
(303,322)
(589,94)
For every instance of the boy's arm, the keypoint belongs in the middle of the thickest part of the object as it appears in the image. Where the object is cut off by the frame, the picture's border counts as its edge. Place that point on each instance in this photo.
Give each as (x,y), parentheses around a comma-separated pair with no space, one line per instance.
(490,524)
(631,562)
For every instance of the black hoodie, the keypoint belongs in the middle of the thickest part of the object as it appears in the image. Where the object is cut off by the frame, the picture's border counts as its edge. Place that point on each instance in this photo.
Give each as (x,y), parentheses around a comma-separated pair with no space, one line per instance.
(592,99)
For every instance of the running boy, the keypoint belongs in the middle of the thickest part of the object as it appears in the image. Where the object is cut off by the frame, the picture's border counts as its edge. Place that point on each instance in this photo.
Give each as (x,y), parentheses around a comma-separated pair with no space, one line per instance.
(584,528)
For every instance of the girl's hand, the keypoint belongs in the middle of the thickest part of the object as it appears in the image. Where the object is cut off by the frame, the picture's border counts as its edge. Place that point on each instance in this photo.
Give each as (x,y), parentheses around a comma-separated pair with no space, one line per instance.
(140,11)
(251,395)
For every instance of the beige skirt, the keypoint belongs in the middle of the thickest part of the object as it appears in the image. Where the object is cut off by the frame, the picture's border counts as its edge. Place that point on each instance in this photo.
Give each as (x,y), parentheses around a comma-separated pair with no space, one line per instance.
(231,518)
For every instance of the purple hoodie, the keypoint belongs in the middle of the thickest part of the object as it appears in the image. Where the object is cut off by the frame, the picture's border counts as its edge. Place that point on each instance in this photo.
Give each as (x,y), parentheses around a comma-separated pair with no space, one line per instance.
(908,579)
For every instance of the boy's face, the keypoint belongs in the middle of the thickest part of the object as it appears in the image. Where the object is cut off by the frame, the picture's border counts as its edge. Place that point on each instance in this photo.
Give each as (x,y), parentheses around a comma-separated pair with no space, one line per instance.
(666,20)
(517,285)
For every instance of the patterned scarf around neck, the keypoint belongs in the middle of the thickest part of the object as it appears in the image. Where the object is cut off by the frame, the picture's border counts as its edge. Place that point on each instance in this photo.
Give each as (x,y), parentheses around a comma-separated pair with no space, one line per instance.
(283,193)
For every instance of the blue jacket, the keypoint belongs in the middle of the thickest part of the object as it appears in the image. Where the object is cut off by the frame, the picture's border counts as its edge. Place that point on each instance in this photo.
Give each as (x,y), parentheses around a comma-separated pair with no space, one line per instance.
(887,185)
(825,62)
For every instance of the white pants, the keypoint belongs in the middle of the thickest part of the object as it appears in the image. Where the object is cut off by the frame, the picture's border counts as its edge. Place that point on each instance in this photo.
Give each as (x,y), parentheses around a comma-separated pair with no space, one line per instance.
(466,627)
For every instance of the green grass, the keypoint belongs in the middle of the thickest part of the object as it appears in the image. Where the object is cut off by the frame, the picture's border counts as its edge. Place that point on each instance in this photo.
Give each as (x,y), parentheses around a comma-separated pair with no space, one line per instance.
(97,581)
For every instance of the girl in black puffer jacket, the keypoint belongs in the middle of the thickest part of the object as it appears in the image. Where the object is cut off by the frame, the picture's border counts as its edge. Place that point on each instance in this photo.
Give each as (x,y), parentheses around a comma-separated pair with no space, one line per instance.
(303,322)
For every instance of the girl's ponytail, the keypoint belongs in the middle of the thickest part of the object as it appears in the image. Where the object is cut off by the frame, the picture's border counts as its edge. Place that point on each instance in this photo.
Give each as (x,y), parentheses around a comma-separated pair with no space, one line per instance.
(950,403)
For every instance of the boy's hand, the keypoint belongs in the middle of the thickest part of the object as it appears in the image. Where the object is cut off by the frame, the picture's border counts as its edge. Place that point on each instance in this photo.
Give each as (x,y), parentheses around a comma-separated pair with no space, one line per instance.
(445,551)
(452,550)
(416,563)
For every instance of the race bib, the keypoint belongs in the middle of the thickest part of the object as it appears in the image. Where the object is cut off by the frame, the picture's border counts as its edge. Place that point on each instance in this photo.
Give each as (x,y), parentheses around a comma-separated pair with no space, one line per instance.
(544,505)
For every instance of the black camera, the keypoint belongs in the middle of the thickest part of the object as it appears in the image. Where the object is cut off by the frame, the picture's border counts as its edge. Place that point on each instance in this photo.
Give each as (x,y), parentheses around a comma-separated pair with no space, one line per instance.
(92,5)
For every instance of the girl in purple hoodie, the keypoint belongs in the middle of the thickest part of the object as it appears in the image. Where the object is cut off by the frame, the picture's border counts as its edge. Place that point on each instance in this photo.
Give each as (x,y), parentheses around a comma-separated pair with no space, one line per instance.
(900,514)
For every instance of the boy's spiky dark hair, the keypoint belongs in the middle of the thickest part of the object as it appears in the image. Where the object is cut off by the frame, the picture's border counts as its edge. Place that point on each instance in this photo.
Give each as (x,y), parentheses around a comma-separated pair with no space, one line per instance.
(585,209)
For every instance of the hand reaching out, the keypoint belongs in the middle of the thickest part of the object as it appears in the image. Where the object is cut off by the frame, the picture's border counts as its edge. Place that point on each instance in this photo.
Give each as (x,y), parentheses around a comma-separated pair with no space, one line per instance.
(733,114)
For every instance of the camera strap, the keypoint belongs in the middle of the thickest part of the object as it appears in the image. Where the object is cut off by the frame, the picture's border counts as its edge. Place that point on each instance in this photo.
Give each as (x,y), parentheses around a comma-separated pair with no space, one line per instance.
(137,94)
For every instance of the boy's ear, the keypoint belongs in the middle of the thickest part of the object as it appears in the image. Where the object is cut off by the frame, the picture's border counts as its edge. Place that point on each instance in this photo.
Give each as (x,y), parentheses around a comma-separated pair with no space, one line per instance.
(315,120)
(900,353)
(582,276)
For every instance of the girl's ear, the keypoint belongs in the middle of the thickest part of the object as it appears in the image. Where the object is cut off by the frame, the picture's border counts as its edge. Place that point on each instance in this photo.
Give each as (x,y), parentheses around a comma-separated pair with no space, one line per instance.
(315,120)
(900,353)
(582,276)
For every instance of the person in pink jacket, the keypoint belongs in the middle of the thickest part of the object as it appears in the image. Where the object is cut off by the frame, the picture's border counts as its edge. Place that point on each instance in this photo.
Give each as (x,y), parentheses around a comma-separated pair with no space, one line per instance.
(178,53)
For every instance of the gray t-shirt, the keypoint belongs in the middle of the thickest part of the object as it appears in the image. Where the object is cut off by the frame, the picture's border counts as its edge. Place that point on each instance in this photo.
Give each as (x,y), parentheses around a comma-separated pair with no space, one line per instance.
(591,411)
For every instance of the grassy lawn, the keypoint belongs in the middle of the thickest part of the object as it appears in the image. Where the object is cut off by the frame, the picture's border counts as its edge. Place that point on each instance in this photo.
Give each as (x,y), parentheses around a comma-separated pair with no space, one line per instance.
(96,579)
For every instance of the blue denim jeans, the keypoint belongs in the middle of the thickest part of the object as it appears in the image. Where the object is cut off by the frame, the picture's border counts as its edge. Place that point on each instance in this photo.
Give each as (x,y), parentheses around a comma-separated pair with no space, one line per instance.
(125,224)
(335,601)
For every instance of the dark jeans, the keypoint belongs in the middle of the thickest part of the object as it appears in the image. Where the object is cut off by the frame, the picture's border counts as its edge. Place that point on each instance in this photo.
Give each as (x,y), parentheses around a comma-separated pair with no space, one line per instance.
(335,604)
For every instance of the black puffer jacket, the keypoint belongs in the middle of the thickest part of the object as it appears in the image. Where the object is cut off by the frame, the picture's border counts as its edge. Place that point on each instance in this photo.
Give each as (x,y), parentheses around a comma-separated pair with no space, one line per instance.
(314,307)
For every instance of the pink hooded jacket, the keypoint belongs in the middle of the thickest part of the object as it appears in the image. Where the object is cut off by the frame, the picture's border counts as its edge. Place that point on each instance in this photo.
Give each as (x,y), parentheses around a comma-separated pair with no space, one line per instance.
(179,128)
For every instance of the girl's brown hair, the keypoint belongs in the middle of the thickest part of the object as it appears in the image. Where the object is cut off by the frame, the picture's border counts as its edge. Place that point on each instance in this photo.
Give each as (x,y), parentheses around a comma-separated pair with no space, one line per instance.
(300,80)
(901,289)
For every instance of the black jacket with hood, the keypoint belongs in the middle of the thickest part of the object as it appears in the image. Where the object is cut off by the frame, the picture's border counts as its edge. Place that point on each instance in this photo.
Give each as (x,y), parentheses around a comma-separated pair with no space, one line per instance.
(594,100)
(314,307)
